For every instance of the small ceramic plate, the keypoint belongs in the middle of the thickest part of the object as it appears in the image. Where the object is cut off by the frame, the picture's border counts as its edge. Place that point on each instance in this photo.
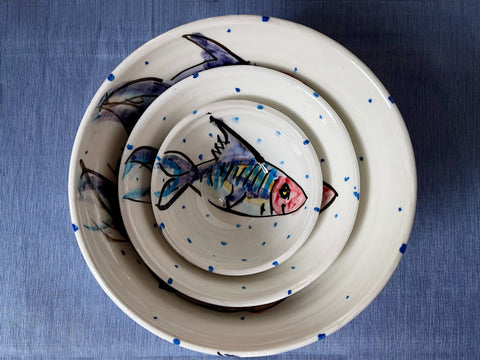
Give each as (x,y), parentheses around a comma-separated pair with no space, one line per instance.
(234,187)
(386,206)
(325,134)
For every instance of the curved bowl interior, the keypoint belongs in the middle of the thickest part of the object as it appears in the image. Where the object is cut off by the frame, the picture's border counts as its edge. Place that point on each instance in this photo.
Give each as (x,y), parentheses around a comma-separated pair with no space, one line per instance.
(387,200)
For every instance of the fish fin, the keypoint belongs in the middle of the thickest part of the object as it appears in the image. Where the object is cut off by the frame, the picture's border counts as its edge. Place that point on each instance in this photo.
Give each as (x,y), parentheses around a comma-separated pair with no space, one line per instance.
(214,54)
(143,156)
(229,134)
(181,172)
(328,197)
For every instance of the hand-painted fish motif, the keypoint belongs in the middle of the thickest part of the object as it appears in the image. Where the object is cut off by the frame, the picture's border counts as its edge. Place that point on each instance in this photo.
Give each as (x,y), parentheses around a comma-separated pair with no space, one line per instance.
(238,179)
(127,102)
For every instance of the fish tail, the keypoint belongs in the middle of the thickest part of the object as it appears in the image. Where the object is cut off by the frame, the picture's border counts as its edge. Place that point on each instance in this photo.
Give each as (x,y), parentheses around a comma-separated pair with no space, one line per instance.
(181,173)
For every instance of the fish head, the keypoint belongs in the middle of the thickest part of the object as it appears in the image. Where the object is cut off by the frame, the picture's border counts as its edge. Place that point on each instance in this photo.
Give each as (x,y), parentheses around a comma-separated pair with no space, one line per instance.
(286,196)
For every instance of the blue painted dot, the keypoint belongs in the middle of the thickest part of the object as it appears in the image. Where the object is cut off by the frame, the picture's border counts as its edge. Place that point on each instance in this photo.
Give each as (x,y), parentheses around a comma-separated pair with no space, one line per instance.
(111,77)
(347,178)
(249,226)
(184,140)
(170,281)
(316,208)
(361,158)
(306,142)
(195,75)
(155,225)
(293,267)
(347,297)
(289,292)
(296,69)
(190,241)
(207,215)
(236,118)
(129,147)
(391,100)
(237,90)
(74,227)
(307,176)
(265,18)
(244,260)
(259,141)
(200,156)
(399,209)
(275,263)
(183,206)
(210,134)
(162,226)
(176,341)
(275,224)
(321,336)
(194,112)
(403,248)
(336,215)
(176,265)
(282,162)
(164,118)
(146,62)
(229,30)
(288,236)
(242,318)
(155,317)
(370,101)
(238,225)
(315,94)
(354,188)
(244,287)
(223,243)
(123,252)
(210,268)
(260,107)
(322,160)
(86,151)
(263,243)
(320,116)
(159,158)
(278,132)
(356,194)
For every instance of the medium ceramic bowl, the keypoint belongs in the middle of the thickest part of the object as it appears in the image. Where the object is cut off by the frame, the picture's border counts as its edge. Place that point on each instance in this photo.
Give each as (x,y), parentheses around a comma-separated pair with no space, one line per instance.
(387,200)
(336,215)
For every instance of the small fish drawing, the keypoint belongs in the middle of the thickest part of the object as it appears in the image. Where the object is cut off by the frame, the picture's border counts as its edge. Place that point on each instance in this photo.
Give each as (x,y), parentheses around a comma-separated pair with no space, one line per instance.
(237,179)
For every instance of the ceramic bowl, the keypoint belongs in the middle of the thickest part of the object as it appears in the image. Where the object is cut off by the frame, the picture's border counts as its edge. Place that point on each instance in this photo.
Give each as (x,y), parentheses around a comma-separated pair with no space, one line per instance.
(327,135)
(221,198)
(387,199)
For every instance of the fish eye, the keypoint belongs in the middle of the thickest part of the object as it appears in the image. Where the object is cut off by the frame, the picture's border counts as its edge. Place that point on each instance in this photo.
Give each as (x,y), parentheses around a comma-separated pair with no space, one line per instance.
(284,191)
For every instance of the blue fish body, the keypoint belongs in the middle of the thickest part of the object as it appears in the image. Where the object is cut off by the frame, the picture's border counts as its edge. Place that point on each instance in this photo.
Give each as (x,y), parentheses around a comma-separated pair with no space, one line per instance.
(237,180)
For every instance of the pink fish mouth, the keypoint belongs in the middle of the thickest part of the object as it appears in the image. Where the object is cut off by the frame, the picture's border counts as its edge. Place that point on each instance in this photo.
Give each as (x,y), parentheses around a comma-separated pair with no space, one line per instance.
(286,196)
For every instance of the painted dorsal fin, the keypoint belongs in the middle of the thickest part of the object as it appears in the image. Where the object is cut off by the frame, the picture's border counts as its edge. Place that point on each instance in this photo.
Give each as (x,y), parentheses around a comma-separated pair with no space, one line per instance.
(229,133)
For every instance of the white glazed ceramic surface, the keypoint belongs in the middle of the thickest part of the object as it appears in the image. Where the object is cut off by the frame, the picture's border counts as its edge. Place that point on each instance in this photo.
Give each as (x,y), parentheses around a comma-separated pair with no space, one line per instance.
(235,187)
(387,200)
(328,137)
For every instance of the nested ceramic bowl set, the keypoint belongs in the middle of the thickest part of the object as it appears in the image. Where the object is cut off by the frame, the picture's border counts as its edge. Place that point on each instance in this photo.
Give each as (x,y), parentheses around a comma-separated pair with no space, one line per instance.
(242,185)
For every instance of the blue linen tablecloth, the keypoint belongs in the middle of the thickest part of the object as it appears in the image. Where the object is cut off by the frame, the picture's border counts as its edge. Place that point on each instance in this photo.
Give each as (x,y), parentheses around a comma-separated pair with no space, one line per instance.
(55,54)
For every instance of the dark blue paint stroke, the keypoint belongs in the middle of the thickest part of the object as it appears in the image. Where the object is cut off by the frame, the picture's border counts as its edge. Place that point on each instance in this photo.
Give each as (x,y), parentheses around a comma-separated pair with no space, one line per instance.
(105,194)
(127,102)
(403,248)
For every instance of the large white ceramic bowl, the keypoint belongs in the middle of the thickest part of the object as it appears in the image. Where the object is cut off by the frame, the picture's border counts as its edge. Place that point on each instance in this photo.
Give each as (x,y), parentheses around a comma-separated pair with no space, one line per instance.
(387,199)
